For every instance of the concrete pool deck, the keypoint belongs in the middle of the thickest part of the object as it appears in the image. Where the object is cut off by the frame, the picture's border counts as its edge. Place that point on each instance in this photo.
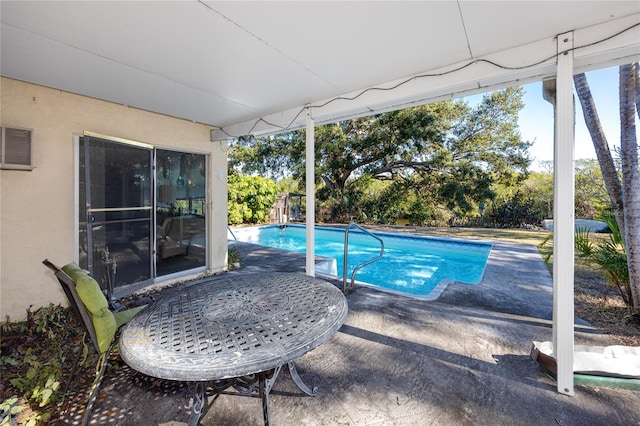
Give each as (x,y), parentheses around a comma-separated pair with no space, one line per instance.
(460,360)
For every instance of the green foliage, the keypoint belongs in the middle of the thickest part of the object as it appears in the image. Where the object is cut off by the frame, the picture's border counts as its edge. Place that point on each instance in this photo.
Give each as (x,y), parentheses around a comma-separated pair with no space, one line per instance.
(233,256)
(436,160)
(516,211)
(420,212)
(250,198)
(592,199)
(288,184)
(610,256)
(388,202)
(536,191)
(48,320)
(532,199)
(40,381)
(446,153)
(9,409)
(272,156)
(34,375)
(383,202)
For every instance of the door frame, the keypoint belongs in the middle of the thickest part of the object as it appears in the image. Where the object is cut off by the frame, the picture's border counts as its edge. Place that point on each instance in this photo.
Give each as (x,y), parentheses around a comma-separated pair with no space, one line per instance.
(129,288)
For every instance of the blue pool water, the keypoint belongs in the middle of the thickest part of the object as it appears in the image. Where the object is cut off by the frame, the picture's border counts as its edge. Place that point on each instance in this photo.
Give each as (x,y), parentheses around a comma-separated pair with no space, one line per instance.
(414,265)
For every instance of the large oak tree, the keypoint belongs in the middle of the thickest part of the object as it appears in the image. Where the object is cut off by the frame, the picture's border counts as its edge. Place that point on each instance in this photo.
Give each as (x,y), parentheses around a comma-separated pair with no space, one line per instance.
(448,153)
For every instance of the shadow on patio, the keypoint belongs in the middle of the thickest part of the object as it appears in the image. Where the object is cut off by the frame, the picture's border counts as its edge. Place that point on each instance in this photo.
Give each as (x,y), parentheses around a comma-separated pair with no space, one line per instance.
(401,361)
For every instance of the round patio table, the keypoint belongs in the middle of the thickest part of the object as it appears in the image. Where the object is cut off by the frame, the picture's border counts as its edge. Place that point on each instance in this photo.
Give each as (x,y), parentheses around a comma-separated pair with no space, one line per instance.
(233,332)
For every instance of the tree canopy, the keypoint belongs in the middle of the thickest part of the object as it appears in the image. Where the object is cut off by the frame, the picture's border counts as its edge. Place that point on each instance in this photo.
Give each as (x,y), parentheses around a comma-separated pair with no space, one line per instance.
(441,155)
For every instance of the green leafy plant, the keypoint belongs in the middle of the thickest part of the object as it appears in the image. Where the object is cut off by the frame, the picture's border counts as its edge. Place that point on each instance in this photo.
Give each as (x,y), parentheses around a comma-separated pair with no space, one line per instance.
(250,198)
(233,255)
(34,355)
(9,409)
(609,255)
(40,382)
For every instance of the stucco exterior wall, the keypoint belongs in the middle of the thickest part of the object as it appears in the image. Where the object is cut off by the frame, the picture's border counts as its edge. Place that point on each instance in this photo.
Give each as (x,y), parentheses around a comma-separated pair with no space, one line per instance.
(37,207)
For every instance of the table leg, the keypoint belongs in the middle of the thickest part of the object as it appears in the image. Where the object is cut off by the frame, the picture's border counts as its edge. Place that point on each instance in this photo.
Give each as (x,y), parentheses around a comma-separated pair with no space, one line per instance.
(198,403)
(264,395)
(298,380)
(266,379)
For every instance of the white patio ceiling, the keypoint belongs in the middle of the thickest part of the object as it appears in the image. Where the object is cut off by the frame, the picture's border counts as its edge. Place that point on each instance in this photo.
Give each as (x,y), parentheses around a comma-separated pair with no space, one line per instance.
(228,64)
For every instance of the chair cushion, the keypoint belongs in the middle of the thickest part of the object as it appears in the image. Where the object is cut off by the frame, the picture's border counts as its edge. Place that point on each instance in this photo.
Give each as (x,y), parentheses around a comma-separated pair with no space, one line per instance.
(123,317)
(96,303)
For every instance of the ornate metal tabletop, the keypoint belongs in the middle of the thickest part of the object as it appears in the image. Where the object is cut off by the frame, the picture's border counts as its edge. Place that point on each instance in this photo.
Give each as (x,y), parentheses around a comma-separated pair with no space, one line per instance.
(233,327)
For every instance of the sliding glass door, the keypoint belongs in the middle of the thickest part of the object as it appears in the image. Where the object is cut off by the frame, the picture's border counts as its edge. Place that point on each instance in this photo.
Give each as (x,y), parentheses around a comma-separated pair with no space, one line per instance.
(134,224)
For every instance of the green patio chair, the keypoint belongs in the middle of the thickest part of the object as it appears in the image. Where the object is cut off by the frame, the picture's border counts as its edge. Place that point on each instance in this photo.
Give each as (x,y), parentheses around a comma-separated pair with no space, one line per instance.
(90,305)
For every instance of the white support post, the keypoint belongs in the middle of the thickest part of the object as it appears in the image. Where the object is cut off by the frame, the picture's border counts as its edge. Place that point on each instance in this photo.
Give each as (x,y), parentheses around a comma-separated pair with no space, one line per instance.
(310,191)
(563,217)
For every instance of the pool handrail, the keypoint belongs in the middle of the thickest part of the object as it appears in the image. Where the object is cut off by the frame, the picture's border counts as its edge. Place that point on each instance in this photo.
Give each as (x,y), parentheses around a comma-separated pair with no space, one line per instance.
(231,232)
(346,255)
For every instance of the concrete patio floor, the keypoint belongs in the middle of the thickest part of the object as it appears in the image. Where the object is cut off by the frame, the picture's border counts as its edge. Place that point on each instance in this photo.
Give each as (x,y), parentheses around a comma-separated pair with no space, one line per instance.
(460,360)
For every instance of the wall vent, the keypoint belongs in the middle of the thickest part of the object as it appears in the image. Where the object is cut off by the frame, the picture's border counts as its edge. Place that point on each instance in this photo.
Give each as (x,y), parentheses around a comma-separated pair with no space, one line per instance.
(16,148)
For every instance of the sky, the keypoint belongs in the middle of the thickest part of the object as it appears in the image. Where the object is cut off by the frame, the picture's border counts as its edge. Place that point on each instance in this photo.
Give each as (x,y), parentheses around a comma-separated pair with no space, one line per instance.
(536,119)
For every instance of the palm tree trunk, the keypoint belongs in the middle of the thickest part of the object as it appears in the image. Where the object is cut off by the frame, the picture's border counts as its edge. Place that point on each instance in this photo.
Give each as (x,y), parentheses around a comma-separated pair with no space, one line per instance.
(630,177)
(609,173)
(637,88)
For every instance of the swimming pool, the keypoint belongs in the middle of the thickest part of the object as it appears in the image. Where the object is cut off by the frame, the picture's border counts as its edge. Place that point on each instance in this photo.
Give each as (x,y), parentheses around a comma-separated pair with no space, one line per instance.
(413,265)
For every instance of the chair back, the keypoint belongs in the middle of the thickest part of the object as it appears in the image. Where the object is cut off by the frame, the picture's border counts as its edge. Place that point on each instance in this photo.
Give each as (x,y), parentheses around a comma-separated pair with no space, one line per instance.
(68,284)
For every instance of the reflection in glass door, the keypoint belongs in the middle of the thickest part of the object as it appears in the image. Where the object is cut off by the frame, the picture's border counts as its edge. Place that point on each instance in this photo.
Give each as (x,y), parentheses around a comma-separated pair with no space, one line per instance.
(116,209)
(180,211)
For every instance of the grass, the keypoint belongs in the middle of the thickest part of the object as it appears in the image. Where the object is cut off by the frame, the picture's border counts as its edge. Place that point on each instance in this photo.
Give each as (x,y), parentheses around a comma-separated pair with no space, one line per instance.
(514,235)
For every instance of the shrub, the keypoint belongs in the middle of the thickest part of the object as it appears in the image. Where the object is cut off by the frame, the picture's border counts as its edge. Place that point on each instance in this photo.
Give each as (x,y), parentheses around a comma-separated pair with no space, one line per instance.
(610,256)
(250,198)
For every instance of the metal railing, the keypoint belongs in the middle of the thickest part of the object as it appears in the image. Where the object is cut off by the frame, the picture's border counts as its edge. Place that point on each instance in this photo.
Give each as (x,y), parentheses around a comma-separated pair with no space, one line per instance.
(232,234)
(346,255)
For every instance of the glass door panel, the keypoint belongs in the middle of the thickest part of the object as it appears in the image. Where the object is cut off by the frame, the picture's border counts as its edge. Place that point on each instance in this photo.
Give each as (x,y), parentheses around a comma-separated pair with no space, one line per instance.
(180,211)
(116,206)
